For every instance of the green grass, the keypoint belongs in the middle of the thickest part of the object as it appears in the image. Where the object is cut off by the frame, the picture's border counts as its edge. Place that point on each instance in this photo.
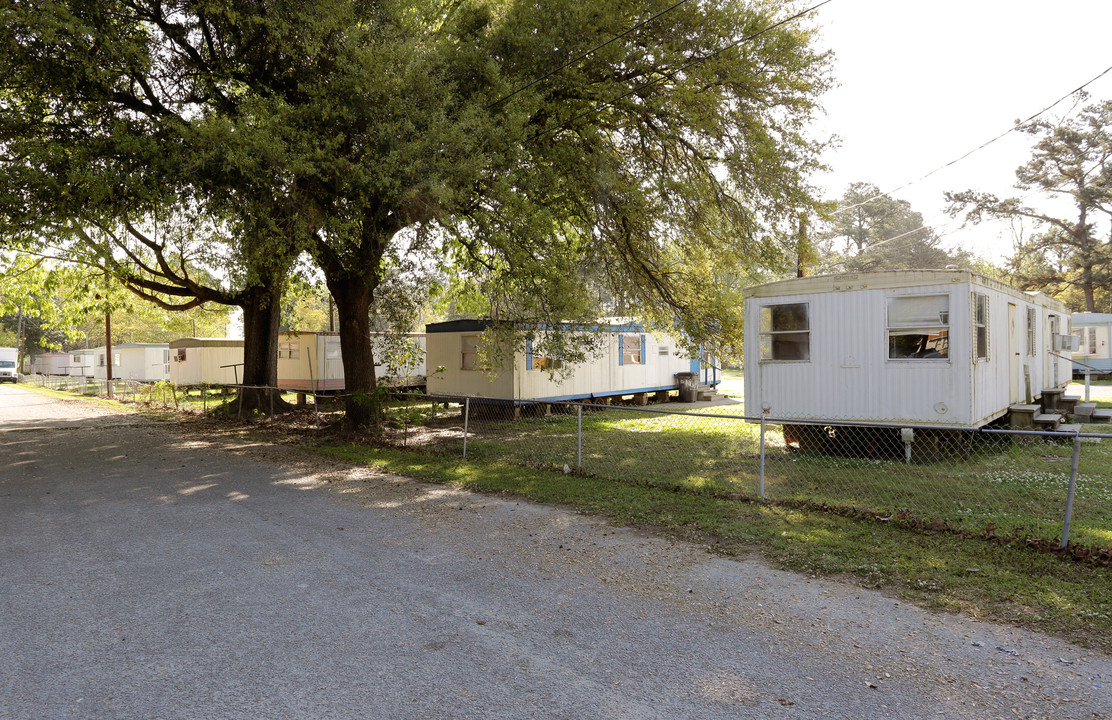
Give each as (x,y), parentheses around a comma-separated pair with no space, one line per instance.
(974,486)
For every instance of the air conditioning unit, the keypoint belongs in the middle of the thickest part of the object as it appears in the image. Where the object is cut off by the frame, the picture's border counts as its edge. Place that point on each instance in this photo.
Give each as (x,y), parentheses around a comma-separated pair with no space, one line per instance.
(1067,343)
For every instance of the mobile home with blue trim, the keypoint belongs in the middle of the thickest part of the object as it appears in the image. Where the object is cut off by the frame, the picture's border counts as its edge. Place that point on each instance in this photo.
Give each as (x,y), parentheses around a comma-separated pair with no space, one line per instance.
(1094,342)
(632,361)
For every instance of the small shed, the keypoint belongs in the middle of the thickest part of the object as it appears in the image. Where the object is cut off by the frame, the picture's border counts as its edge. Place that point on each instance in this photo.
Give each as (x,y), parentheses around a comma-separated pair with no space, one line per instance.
(1094,340)
(312,361)
(206,361)
(633,362)
(50,364)
(142,362)
(81,363)
(934,347)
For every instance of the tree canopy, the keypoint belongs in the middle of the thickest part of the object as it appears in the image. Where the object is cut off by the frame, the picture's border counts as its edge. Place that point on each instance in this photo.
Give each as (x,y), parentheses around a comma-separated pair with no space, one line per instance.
(1070,253)
(547,149)
(870,231)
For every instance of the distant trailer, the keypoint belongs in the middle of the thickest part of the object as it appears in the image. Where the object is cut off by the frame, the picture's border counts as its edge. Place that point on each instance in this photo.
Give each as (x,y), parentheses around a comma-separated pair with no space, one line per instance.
(931,347)
(141,362)
(81,363)
(1094,339)
(312,361)
(206,361)
(632,362)
(50,364)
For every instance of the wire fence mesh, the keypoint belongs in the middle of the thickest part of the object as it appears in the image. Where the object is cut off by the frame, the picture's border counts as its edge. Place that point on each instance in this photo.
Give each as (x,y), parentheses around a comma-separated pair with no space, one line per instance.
(989,482)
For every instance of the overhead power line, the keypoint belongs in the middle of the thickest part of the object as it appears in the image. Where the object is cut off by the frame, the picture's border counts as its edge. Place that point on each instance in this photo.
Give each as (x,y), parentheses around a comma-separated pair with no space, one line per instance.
(980,147)
(583,55)
(672,73)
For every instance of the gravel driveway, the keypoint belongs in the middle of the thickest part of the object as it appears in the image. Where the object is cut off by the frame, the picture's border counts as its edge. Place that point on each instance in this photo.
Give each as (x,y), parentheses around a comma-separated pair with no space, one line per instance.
(146,573)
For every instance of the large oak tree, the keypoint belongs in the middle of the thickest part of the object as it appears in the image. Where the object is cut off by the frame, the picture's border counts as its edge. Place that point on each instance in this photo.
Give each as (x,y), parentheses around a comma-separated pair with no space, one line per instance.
(547,146)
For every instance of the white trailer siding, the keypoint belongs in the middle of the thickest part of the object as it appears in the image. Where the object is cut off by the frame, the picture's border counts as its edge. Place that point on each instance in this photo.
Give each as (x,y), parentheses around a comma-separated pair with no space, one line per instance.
(50,364)
(1094,334)
(81,363)
(206,361)
(410,373)
(649,364)
(857,367)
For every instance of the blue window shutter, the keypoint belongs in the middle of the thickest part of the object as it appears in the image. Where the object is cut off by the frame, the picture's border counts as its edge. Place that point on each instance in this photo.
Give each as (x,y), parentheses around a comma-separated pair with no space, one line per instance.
(644,357)
(621,350)
(695,360)
(528,354)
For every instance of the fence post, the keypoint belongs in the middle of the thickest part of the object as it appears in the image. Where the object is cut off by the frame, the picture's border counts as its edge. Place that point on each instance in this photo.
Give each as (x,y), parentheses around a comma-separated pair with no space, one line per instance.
(466,417)
(762,488)
(579,435)
(1070,492)
(1086,384)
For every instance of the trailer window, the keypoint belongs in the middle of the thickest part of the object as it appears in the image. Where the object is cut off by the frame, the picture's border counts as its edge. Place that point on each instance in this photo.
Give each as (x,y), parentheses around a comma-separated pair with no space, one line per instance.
(919,327)
(1086,341)
(1031,332)
(469,352)
(980,326)
(289,351)
(785,332)
(632,345)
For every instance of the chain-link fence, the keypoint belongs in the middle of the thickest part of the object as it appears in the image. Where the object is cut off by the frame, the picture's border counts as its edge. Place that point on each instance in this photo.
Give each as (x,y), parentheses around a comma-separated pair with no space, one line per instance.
(1050,487)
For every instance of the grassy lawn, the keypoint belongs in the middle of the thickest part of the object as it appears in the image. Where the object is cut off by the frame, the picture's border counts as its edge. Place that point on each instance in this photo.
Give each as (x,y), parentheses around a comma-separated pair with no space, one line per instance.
(984,484)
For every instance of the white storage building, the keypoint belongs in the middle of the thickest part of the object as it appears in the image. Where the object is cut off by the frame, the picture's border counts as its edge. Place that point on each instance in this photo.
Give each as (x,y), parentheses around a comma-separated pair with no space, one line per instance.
(936,347)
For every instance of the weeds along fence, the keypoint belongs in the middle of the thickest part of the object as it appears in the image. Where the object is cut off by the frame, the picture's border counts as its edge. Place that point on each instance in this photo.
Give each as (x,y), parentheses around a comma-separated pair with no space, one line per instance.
(1049,487)
(197,399)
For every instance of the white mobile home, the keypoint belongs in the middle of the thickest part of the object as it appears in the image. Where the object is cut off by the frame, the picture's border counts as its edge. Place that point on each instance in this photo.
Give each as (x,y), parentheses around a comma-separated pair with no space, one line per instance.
(632,362)
(1094,337)
(142,362)
(312,361)
(206,361)
(940,347)
(81,363)
(50,364)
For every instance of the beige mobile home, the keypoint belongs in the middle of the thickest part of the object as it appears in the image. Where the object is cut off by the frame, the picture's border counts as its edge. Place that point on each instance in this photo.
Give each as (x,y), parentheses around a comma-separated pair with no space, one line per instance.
(936,347)
(311,361)
(633,362)
(206,361)
(141,362)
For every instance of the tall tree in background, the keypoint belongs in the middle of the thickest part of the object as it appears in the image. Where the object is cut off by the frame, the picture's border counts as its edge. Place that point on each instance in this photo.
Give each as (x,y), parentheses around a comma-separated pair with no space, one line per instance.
(869,231)
(1070,255)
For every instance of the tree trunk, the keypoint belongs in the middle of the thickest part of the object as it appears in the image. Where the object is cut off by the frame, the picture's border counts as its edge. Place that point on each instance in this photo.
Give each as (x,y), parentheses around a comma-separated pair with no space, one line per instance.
(259,374)
(362,404)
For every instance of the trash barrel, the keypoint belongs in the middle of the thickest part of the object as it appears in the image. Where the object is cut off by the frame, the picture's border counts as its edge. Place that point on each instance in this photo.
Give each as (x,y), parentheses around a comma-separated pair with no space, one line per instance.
(689,386)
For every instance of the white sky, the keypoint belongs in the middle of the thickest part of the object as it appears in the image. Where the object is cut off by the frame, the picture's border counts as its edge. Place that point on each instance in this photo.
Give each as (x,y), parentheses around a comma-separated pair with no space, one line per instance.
(923,83)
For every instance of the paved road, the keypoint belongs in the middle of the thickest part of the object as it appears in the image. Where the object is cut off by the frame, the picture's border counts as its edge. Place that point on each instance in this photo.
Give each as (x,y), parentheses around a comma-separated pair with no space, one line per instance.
(146,573)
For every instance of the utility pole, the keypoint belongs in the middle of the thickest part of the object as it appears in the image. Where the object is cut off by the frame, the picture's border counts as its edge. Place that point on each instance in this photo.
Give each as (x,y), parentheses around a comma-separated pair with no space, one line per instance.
(108,351)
